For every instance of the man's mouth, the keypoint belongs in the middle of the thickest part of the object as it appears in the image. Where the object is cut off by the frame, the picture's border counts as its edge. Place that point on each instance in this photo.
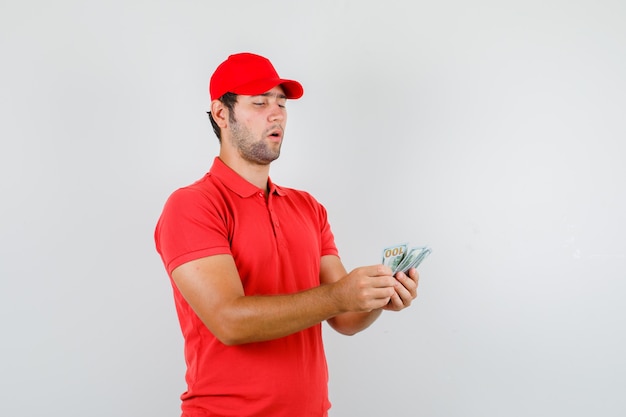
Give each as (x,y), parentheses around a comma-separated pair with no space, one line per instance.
(275,134)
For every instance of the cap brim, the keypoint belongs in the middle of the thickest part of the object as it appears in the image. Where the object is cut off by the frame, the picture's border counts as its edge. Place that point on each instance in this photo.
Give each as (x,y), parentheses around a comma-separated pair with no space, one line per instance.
(293,89)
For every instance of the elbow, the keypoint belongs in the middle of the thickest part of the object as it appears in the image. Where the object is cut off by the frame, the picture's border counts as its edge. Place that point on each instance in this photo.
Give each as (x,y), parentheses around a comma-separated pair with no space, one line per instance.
(229,332)
(350,332)
(227,336)
(230,341)
(344,328)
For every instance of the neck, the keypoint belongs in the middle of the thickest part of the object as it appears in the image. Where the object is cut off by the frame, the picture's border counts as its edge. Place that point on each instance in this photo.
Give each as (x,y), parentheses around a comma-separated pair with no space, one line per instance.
(253,173)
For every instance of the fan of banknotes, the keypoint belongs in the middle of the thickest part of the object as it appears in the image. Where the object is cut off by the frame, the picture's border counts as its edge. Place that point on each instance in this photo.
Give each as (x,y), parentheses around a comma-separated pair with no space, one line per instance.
(401,258)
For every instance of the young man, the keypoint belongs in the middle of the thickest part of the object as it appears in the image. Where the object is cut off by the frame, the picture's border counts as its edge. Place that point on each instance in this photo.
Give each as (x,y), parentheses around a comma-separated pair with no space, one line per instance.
(254,266)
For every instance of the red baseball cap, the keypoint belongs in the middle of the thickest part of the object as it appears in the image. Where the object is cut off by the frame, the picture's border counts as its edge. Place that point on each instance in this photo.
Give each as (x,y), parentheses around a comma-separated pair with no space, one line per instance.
(249,74)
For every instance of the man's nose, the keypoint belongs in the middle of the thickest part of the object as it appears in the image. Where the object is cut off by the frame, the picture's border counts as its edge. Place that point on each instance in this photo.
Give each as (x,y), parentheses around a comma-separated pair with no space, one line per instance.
(276,112)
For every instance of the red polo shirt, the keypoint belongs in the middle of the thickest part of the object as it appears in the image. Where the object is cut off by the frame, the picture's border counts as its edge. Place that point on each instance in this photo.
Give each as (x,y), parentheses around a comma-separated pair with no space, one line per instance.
(277,245)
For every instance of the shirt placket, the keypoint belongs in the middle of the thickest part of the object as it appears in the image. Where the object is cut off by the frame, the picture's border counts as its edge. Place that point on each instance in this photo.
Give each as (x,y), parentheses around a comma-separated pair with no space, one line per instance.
(274,219)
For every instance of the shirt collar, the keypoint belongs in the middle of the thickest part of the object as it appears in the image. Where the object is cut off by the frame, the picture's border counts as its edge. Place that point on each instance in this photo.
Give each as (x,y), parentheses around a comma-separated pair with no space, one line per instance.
(237,183)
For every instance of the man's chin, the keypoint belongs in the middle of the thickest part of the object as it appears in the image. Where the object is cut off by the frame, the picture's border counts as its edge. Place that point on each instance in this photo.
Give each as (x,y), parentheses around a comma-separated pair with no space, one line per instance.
(262,161)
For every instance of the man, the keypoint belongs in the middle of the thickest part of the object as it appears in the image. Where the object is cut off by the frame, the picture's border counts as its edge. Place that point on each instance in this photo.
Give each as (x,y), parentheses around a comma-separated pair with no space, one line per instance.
(254,266)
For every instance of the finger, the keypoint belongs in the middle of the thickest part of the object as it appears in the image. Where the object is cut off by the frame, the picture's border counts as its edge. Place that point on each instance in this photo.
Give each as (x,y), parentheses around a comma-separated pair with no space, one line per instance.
(381,300)
(404,294)
(410,274)
(383,293)
(378,270)
(414,275)
(408,283)
(395,303)
(385,281)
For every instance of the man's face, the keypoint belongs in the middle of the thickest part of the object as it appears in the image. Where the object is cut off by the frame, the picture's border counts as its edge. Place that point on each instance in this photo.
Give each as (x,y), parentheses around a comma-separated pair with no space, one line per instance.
(257,125)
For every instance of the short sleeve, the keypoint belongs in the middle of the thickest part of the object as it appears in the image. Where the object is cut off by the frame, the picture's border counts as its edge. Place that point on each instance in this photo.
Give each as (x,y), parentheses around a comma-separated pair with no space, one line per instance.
(190,227)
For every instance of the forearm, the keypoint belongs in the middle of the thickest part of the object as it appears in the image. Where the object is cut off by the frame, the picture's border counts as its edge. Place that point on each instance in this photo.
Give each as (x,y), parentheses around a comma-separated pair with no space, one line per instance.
(352,323)
(258,318)
(213,289)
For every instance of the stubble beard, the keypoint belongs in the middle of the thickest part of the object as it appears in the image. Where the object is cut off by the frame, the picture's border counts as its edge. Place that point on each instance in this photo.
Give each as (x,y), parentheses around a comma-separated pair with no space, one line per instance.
(257,152)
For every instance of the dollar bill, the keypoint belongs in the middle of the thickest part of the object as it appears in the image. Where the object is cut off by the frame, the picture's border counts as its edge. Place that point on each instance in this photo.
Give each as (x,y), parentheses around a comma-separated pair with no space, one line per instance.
(399,258)
(393,255)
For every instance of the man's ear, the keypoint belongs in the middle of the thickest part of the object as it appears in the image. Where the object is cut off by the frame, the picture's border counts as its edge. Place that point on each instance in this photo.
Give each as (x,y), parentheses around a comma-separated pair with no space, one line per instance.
(219,113)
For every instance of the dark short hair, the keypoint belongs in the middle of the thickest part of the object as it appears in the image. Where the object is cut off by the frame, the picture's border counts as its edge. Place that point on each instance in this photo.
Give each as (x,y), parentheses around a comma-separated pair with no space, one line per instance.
(229,100)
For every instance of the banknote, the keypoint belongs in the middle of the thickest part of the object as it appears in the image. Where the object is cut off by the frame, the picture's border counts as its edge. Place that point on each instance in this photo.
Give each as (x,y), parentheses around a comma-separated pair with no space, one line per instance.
(393,255)
(401,258)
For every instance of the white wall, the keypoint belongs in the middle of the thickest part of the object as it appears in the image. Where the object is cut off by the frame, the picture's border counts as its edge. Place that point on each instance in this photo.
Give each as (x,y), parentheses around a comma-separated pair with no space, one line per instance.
(492,131)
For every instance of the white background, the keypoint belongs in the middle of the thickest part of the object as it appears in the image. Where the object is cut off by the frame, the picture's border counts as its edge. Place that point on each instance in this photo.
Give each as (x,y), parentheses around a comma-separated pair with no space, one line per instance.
(492,131)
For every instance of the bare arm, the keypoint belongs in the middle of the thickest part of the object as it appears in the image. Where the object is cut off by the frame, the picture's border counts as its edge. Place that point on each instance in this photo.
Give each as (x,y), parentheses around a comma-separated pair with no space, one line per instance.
(350,323)
(213,289)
